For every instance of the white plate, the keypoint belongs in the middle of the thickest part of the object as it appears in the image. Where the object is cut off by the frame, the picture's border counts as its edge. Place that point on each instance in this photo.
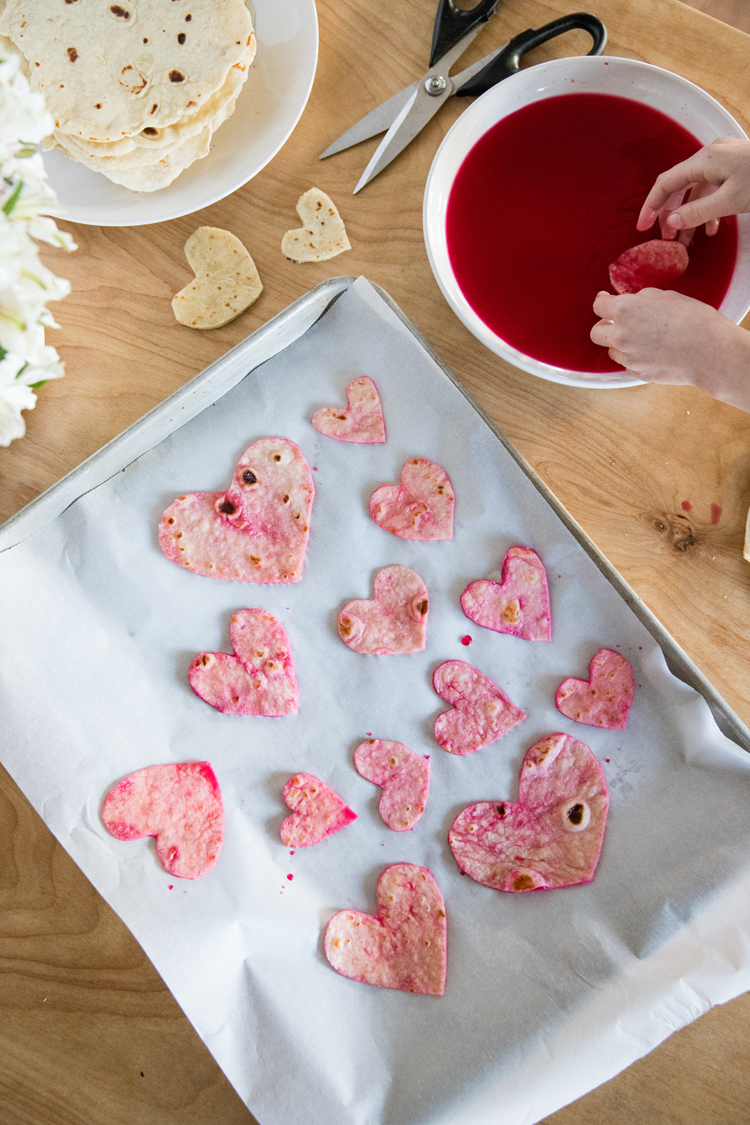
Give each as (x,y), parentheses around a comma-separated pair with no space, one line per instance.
(269,107)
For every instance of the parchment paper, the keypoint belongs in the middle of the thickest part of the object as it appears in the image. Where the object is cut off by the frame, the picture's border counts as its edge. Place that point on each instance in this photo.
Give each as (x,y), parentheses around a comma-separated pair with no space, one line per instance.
(547,993)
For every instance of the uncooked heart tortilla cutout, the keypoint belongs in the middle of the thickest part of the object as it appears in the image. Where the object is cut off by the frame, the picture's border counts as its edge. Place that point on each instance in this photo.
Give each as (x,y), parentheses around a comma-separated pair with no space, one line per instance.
(180,804)
(394,621)
(604,699)
(258,679)
(420,507)
(404,945)
(480,711)
(656,264)
(317,812)
(361,421)
(226,280)
(404,776)
(257,530)
(519,604)
(552,836)
(322,235)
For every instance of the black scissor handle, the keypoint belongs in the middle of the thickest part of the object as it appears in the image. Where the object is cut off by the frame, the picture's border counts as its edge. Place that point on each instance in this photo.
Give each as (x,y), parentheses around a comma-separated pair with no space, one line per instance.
(452,23)
(508,62)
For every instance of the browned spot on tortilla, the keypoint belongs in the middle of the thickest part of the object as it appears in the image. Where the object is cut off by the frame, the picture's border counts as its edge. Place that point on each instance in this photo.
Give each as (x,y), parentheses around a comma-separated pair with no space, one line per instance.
(227,507)
(345,626)
(120,12)
(575,814)
(176,76)
(523,883)
(423,606)
(72,54)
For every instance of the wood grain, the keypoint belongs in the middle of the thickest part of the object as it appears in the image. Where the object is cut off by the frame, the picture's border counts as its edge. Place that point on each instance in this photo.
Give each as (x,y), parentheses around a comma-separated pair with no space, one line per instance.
(88,1033)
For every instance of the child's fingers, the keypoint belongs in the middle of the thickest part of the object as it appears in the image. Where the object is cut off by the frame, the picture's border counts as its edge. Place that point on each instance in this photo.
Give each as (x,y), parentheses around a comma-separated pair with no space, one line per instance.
(604,305)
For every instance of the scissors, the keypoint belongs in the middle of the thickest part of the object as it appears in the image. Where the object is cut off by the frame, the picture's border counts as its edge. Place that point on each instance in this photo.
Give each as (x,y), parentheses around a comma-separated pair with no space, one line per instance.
(406,113)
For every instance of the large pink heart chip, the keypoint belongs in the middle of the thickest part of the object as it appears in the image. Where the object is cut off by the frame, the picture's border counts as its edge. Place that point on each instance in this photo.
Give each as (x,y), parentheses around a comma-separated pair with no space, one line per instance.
(394,622)
(258,679)
(480,713)
(551,836)
(655,264)
(404,776)
(420,507)
(257,530)
(604,699)
(404,946)
(317,812)
(519,604)
(362,420)
(178,804)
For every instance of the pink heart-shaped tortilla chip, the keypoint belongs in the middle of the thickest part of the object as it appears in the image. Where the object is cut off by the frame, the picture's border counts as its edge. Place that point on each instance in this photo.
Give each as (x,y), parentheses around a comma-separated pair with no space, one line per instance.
(404,776)
(518,604)
(180,805)
(421,507)
(404,945)
(604,699)
(551,836)
(480,713)
(317,812)
(362,420)
(655,264)
(257,530)
(259,679)
(394,621)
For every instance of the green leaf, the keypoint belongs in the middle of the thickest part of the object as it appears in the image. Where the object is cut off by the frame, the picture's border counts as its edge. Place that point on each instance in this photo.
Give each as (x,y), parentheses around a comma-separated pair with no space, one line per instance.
(13,198)
(36,386)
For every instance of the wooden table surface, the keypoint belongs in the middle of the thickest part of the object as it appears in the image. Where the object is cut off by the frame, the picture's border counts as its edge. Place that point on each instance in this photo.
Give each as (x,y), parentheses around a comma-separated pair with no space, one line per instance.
(88,1032)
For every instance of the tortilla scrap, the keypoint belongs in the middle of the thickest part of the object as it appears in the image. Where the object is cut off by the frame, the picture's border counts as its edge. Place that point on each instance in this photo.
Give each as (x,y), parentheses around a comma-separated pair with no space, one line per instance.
(420,507)
(362,421)
(404,776)
(404,946)
(519,604)
(180,805)
(317,812)
(552,836)
(604,699)
(257,530)
(655,264)
(480,712)
(226,281)
(322,234)
(258,679)
(394,621)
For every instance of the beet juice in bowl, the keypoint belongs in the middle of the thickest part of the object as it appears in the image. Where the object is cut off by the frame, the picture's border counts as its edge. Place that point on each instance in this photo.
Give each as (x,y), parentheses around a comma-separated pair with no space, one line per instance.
(536,189)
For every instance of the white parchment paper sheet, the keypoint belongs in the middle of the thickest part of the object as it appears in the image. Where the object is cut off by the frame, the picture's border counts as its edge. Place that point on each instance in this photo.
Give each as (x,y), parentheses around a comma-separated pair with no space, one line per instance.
(548,993)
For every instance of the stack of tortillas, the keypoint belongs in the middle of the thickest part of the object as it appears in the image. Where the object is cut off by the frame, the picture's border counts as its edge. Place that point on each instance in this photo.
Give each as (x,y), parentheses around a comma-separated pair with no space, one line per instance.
(136,88)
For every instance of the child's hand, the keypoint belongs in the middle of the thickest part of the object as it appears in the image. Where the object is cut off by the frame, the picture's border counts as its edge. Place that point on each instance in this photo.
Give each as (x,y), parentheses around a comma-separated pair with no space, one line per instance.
(718,177)
(665,337)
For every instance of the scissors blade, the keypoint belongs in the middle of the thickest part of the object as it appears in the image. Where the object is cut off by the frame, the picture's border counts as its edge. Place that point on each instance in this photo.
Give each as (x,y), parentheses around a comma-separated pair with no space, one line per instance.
(377,121)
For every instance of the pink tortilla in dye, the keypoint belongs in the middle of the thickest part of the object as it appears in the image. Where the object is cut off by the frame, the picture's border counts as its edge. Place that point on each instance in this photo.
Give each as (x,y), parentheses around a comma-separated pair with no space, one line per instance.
(480,713)
(258,679)
(404,946)
(604,699)
(180,804)
(655,264)
(518,604)
(257,530)
(317,812)
(404,776)
(362,420)
(420,507)
(551,836)
(394,621)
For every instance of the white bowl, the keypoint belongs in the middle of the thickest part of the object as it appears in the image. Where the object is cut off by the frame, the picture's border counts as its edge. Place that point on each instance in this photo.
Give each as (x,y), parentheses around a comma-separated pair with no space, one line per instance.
(682,101)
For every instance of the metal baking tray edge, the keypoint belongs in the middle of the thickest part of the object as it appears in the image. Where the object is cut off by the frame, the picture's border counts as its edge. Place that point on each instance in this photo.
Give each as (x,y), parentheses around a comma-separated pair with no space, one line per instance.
(266,342)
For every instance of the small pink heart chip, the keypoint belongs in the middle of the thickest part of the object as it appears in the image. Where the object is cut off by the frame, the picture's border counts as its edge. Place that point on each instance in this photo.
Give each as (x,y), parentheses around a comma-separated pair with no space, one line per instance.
(259,679)
(394,622)
(317,812)
(604,699)
(178,804)
(655,264)
(421,507)
(519,604)
(362,420)
(551,836)
(480,713)
(257,530)
(405,945)
(404,776)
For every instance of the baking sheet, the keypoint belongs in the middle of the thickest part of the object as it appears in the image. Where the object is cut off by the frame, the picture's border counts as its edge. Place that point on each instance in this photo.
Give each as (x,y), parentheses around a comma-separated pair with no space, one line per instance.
(548,993)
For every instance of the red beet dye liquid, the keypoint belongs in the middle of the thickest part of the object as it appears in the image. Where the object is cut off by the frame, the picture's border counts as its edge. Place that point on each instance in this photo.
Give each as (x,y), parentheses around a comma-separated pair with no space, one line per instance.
(542,204)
